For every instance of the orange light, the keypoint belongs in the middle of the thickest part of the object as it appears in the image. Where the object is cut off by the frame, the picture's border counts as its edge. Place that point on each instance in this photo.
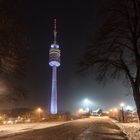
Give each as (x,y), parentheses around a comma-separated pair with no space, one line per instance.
(39,109)
(115,109)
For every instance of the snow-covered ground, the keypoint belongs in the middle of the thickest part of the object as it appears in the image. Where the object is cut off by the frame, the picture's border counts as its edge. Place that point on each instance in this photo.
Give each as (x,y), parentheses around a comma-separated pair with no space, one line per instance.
(19,128)
(131,129)
(97,128)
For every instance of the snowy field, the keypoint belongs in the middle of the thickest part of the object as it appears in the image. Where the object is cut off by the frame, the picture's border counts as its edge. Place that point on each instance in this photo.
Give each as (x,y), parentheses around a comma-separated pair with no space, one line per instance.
(19,128)
(94,128)
(131,129)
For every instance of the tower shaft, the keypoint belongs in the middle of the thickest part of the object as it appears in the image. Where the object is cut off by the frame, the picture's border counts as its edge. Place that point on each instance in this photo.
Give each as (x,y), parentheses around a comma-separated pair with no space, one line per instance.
(54,91)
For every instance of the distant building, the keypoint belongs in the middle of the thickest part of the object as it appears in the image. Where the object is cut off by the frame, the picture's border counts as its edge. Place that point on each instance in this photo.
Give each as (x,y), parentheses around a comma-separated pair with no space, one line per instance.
(97,112)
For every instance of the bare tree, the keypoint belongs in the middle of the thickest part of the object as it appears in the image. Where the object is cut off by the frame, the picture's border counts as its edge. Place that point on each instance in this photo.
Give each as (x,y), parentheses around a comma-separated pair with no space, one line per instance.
(115,53)
(14,45)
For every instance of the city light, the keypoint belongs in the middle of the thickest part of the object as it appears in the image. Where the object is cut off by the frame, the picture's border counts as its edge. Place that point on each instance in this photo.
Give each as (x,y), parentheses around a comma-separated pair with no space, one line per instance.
(81,111)
(115,110)
(87,104)
(39,109)
(86,101)
(107,112)
(122,104)
(129,108)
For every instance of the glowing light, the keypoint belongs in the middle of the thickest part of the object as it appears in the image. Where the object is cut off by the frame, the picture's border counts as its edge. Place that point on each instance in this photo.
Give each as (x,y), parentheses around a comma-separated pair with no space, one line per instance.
(55,46)
(87,101)
(39,109)
(81,111)
(129,108)
(122,104)
(54,63)
(87,109)
(107,112)
(54,56)
(54,91)
(115,110)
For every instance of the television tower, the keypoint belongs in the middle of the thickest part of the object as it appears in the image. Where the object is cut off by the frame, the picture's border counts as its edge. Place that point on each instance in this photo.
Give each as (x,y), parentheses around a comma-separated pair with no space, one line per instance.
(54,62)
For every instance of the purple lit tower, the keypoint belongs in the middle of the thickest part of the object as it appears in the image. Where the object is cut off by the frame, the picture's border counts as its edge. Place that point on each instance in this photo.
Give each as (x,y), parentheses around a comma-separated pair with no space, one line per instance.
(54,62)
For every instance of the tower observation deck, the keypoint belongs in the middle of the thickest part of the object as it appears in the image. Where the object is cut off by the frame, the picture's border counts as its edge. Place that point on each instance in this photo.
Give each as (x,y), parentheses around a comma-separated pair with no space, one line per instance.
(54,62)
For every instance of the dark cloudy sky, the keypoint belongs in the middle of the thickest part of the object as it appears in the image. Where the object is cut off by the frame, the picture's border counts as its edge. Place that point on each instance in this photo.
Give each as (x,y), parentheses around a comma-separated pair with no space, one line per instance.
(76,24)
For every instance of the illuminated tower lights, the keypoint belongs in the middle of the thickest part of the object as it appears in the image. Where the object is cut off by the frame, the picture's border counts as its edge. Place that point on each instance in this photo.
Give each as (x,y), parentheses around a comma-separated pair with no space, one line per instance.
(54,62)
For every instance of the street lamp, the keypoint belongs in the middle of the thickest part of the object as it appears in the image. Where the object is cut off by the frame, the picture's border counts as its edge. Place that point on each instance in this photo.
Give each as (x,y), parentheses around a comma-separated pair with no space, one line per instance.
(39,110)
(81,111)
(110,113)
(115,112)
(87,102)
(122,106)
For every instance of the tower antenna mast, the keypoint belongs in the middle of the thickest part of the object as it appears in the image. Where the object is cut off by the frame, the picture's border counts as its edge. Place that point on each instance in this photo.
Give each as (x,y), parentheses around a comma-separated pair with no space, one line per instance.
(55,32)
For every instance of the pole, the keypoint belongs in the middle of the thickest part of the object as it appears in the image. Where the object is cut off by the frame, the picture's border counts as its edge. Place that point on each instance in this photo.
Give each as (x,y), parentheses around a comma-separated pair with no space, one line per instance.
(39,115)
(122,115)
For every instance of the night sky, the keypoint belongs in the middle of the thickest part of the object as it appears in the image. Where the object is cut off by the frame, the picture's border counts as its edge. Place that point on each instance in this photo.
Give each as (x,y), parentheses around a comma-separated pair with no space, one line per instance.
(77,23)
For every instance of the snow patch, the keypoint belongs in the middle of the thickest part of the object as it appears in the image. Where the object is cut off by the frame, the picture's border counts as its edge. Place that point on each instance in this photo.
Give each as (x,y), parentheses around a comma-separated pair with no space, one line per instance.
(131,129)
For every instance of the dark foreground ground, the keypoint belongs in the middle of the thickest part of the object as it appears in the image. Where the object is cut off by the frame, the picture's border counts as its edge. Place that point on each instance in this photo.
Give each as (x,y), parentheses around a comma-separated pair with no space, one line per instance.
(85,129)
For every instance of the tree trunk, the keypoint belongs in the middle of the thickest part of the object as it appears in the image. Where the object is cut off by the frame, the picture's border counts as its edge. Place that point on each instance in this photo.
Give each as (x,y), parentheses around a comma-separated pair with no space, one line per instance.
(136,94)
